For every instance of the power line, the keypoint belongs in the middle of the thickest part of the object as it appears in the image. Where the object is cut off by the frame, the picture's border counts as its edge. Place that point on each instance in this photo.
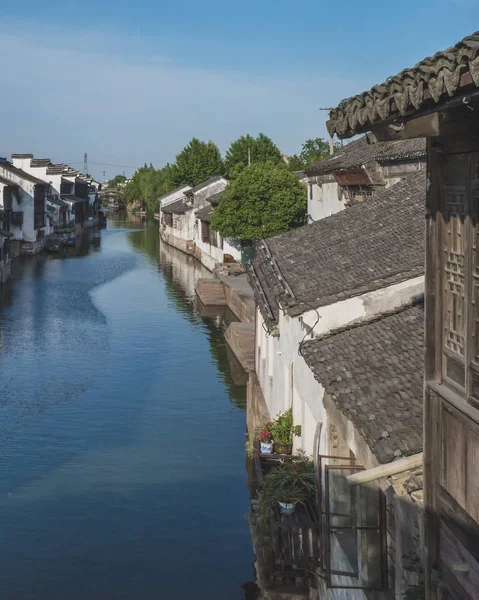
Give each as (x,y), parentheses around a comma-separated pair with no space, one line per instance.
(79,162)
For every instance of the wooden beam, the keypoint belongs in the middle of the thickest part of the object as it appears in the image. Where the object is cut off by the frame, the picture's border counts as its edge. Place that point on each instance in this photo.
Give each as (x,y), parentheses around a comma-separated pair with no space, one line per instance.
(397,466)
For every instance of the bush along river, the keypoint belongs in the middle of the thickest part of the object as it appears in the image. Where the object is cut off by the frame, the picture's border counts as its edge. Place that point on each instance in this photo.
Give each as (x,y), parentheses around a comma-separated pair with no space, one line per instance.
(121,429)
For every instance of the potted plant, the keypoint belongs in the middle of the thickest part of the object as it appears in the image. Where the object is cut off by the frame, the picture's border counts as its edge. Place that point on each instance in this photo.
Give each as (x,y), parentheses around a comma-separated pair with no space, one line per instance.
(285,487)
(283,431)
(265,438)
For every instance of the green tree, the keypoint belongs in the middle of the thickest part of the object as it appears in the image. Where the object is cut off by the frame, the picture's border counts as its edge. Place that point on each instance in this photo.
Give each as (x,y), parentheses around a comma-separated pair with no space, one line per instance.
(313,151)
(295,163)
(148,183)
(263,201)
(118,179)
(197,162)
(261,148)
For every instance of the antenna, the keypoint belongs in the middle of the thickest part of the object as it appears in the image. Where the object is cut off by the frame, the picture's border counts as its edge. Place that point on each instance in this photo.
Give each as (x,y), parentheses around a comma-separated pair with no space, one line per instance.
(85,163)
(331,141)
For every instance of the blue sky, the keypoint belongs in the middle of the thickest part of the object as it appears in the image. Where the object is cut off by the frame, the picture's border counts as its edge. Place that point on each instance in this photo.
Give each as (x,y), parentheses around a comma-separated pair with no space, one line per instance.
(130,82)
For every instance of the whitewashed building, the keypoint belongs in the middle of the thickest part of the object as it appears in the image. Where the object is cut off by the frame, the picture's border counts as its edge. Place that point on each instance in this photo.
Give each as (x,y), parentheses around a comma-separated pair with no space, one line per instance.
(72,198)
(339,340)
(356,171)
(177,219)
(185,223)
(23,198)
(210,247)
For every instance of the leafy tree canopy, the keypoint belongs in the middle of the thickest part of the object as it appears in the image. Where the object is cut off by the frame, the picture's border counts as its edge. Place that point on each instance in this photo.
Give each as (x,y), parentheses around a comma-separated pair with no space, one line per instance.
(118,179)
(148,183)
(264,200)
(313,151)
(197,162)
(262,149)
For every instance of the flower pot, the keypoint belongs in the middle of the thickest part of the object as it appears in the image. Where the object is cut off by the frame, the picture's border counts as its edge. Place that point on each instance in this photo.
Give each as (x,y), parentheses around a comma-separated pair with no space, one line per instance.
(283,448)
(266,447)
(286,508)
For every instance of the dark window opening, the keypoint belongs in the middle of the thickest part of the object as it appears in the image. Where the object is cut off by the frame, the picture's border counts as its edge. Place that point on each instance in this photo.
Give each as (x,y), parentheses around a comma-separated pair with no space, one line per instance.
(39,207)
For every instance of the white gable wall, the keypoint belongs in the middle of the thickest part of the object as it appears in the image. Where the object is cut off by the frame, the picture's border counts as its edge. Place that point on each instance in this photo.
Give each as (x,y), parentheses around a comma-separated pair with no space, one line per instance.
(325,198)
(174,195)
(285,378)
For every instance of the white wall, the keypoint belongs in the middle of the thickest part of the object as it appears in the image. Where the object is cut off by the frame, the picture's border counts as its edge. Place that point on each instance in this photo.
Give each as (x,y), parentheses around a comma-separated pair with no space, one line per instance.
(213,188)
(24,203)
(175,195)
(211,255)
(276,357)
(324,199)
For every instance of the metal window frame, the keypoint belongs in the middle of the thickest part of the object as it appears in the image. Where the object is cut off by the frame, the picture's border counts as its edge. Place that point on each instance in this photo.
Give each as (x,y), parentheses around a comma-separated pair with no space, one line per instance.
(327,530)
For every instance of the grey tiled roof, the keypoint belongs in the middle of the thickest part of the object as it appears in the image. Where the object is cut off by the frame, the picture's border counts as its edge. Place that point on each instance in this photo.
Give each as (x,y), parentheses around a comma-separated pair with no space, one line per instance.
(178,207)
(374,372)
(39,162)
(368,246)
(440,77)
(57,201)
(20,173)
(204,214)
(55,169)
(360,152)
(300,174)
(215,198)
(73,198)
(181,187)
(204,184)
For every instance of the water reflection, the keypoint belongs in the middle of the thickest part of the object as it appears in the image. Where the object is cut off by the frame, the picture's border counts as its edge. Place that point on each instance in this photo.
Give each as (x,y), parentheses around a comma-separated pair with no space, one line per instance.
(121,430)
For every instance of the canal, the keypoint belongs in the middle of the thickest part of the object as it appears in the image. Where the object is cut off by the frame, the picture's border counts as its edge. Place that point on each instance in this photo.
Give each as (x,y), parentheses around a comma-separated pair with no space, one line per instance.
(122,461)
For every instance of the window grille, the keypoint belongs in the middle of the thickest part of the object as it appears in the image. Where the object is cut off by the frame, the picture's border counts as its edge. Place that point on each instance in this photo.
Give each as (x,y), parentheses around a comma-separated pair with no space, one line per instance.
(353,532)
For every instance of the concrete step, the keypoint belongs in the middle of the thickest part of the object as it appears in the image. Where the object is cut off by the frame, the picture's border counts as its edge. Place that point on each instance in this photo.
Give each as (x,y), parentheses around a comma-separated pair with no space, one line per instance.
(211,292)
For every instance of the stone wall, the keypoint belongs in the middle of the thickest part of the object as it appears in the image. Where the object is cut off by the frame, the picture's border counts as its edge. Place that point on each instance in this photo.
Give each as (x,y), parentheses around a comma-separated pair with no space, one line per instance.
(186,246)
(256,409)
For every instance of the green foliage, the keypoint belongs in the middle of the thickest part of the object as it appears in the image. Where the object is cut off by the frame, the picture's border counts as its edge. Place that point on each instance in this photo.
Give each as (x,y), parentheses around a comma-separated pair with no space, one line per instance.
(295,163)
(292,482)
(313,151)
(263,201)
(118,179)
(148,183)
(283,428)
(262,149)
(197,162)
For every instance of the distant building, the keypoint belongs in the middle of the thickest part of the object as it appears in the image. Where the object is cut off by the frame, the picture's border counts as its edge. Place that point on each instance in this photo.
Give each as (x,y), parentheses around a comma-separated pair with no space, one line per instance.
(24,205)
(357,171)
(185,223)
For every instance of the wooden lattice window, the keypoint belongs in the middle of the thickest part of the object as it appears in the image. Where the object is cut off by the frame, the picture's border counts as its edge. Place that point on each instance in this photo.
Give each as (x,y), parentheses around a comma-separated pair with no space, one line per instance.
(454,269)
(454,207)
(459,193)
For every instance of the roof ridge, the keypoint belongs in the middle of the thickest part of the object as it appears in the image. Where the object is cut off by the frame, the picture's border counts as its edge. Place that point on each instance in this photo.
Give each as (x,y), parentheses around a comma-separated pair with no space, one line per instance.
(417,300)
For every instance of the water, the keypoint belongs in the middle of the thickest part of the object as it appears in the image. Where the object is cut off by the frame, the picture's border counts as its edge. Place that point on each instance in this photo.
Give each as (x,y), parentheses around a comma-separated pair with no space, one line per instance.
(121,430)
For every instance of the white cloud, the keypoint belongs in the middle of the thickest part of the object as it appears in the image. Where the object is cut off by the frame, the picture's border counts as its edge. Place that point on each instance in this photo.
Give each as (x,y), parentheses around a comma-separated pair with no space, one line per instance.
(91,92)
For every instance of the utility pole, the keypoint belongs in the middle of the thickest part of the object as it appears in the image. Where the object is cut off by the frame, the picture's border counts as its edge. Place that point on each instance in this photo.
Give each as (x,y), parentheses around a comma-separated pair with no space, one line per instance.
(331,141)
(249,156)
(85,163)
